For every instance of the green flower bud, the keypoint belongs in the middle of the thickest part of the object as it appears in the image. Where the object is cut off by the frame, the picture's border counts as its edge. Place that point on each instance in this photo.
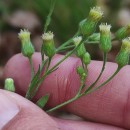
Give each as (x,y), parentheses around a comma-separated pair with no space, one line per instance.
(123,32)
(81,49)
(88,26)
(122,57)
(27,47)
(105,37)
(94,37)
(81,73)
(126,45)
(9,85)
(48,46)
(86,58)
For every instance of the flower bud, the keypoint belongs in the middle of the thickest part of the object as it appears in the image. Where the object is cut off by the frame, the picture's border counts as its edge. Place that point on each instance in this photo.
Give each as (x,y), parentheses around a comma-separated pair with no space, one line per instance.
(9,85)
(81,49)
(86,58)
(123,32)
(122,57)
(88,26)
(48,46)
(81,73)
(27,47)
(105,37)
(94,37)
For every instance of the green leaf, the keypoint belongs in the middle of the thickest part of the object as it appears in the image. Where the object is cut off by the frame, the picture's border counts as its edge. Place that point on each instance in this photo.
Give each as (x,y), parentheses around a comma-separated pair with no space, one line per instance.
(42,101)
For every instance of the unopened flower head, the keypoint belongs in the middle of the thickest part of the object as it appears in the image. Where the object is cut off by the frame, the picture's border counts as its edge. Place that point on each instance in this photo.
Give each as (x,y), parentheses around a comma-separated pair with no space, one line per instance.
(96,13)
(86,58)
(81,50)
(27,47)
(105,37)
(104,28)
(48,46)
(126,44)
(122,57)
(9,84)
(123,32)
(24,35)
(77,40)
(81,72)
(48,36)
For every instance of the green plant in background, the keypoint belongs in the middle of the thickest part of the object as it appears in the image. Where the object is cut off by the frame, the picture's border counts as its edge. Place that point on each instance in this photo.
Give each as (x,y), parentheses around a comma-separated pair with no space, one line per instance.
(71,10)
(85,35)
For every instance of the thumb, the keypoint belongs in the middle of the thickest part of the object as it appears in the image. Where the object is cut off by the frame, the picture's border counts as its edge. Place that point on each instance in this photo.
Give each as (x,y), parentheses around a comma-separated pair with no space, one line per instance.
(17,113)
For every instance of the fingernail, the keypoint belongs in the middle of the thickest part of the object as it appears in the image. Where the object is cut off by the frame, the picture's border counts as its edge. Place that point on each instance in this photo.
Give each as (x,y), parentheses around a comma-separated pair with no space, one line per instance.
(8,109)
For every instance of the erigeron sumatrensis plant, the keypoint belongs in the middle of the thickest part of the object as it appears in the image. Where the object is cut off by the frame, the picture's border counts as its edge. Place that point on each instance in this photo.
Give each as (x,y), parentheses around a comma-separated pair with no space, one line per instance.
(85,35)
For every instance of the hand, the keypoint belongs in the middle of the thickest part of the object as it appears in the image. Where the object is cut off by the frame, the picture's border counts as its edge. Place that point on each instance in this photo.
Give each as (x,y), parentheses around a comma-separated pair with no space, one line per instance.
(108,107)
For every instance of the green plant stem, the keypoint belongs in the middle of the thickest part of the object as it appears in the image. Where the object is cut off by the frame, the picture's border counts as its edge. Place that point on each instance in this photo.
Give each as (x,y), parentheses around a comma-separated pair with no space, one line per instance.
(62,104)
(111,77)
(49,61)
(44,63)
(31,66)
(67,42)
(67,102)
(66,48)
(97,42)
(65,57)
(54,67)
(103,67)
(48,20)
(83,94)
(91,42)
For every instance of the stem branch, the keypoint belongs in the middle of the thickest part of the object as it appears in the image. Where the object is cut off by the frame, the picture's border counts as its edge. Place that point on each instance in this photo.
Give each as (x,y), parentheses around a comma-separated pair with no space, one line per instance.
(31,66)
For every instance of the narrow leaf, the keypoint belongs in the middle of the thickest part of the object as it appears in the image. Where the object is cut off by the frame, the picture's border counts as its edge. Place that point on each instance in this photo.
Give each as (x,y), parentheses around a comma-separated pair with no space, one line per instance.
(42,101)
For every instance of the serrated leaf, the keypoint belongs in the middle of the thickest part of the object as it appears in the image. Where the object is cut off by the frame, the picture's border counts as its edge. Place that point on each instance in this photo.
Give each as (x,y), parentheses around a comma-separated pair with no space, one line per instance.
(42,101)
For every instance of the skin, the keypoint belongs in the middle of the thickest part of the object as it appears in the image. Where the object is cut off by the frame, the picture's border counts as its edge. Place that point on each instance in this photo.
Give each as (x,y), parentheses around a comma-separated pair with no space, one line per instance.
(105,109)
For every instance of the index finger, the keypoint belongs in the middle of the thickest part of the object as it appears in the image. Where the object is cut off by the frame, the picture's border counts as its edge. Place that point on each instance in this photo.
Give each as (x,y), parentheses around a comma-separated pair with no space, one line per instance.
(110,104)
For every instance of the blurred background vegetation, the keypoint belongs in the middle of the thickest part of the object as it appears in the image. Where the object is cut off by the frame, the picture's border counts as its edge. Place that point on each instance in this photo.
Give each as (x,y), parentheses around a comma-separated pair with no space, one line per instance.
(31,14)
